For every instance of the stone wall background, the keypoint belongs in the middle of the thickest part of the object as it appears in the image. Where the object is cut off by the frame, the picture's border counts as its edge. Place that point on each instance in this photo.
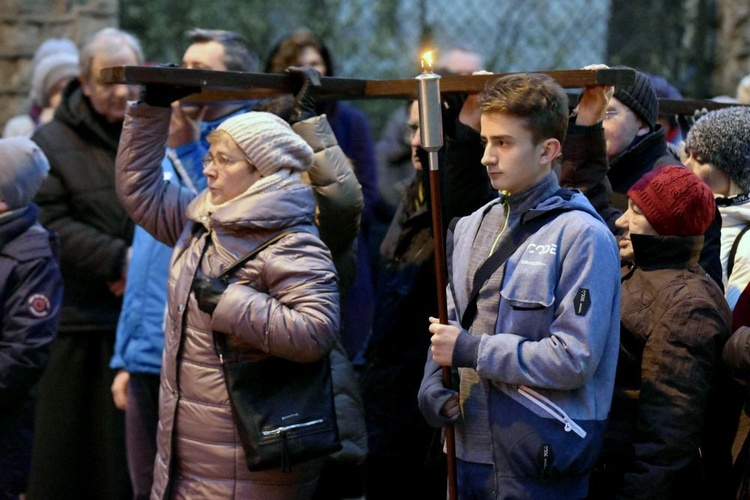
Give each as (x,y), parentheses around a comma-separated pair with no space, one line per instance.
(25,24)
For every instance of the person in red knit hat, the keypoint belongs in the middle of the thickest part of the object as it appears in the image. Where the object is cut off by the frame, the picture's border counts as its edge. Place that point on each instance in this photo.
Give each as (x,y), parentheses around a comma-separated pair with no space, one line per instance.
(664,438)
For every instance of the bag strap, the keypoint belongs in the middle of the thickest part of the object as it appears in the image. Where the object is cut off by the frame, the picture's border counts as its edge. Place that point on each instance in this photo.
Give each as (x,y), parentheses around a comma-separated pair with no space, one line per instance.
(252,253)
(520,234)
(733,251)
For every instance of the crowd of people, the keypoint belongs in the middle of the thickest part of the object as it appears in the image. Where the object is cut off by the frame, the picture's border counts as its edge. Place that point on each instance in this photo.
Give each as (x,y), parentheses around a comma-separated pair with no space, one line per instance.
(598,298)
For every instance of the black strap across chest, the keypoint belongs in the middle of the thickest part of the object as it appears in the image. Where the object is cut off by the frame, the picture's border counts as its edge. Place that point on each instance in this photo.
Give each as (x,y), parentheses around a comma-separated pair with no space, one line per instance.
(517,237)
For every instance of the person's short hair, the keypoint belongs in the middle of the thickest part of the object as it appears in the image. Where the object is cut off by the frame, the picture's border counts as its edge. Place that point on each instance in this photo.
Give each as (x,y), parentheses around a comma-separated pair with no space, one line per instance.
(238,56)
(534,96)
(108,40)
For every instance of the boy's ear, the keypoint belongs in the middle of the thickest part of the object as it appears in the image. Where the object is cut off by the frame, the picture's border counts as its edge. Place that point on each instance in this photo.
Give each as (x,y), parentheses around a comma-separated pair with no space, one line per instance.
(552,149)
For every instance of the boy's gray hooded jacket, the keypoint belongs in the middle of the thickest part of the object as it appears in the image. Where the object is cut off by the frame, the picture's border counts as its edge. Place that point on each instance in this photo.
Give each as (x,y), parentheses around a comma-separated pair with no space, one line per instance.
(545,375)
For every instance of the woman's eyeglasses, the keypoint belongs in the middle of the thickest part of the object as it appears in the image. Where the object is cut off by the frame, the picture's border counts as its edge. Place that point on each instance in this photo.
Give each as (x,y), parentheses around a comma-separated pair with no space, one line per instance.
(220,160)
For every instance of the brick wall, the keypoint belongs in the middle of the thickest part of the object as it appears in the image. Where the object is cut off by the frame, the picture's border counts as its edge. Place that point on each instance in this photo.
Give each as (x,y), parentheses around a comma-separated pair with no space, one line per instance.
(26,24)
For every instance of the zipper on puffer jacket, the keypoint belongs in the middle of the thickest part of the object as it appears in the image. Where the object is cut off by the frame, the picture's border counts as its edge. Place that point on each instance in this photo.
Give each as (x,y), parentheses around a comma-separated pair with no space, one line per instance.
(551,408)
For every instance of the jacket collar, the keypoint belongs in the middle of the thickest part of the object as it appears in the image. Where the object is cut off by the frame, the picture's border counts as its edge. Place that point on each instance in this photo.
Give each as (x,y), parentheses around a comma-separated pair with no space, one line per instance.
(77,112)
(15,222)
(666,252)
(533,196)
(630,165)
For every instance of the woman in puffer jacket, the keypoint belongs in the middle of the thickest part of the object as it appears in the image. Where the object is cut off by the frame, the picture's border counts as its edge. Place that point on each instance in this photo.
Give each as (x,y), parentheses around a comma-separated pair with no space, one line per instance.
(284,302)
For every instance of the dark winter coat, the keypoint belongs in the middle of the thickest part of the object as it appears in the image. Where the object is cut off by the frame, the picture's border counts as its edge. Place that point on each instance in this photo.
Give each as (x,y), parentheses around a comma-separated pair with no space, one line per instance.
(285,304)
(78,201)
(674,323)
(30,301)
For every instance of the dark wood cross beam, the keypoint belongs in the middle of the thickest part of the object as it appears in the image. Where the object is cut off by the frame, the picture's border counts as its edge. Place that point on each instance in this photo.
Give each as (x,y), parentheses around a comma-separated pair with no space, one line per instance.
(680,107)
(238,86)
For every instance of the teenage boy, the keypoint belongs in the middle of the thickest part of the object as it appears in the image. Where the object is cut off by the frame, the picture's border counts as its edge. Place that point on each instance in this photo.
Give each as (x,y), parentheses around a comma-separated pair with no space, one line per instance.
(536,361)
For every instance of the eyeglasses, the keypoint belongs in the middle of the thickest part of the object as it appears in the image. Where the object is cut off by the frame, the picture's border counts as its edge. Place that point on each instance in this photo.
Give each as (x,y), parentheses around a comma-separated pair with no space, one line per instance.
(220,160)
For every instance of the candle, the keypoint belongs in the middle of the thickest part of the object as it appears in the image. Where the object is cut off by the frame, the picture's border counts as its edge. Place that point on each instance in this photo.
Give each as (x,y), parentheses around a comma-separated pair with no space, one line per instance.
(430,117)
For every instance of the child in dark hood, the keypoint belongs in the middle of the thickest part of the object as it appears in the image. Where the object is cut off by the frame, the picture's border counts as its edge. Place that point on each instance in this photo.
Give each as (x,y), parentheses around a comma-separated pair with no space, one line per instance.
(31,292)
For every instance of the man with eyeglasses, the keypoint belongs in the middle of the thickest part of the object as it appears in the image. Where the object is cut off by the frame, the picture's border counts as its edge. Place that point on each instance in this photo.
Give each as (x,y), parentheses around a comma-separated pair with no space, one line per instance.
(635,144)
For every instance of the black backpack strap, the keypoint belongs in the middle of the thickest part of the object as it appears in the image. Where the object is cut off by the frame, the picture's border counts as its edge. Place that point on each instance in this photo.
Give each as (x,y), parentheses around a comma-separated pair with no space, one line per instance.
(520,234)
(252,253)
(733,251)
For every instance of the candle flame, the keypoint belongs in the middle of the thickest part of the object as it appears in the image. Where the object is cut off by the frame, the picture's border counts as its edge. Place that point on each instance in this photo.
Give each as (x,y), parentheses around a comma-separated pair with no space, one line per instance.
(427,61)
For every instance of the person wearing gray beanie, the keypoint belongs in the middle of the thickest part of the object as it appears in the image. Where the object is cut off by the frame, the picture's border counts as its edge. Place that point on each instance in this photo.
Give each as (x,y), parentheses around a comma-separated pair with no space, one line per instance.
(269,142)
(55,63)
(284,302)
(718,148)
(50,77)
(246,152)
(721,138)
(30,300)
(23,168)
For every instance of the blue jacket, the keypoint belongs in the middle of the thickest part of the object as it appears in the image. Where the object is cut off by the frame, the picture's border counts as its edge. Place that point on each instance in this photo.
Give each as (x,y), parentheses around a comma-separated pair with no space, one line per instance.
(547,370)
(140,333)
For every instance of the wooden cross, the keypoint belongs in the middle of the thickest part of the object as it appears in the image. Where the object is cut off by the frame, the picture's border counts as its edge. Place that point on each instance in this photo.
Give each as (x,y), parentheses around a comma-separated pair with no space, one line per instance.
(220,86)
(238,86)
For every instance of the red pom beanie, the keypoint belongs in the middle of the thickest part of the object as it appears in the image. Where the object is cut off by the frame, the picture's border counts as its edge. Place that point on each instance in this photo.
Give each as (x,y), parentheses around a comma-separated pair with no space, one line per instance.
(675,201)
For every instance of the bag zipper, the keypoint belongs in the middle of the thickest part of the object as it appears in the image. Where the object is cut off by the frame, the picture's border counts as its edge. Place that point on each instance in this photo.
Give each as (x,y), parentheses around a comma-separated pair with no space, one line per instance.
(551,408)
(281,430)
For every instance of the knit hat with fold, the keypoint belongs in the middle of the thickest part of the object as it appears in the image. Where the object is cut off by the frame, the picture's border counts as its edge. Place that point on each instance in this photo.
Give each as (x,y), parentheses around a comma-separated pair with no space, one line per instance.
(50,71)
(675,201)
(722,138)
(55,59)
(269,142)
(639,97)
(23,167)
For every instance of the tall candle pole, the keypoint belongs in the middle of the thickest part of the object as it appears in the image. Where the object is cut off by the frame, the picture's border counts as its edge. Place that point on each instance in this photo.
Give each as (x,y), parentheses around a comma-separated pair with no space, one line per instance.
(431,135)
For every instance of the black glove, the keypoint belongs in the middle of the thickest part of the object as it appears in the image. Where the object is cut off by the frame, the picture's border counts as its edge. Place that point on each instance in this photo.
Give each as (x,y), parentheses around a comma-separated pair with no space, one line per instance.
(208,291)
(304,98)
(451,108)
(164,95)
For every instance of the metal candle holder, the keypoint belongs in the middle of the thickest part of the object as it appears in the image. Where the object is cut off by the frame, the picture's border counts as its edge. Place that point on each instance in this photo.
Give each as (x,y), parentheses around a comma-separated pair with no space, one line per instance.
(430,116)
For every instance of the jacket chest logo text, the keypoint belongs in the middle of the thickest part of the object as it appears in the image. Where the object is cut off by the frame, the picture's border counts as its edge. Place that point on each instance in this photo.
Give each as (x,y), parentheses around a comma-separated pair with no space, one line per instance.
(550,249)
